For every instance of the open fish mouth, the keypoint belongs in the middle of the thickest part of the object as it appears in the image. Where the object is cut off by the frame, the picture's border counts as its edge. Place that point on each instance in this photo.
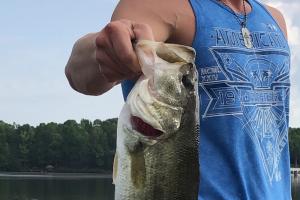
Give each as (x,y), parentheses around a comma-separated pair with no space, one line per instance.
(157,117)
(160,96)
(144,128)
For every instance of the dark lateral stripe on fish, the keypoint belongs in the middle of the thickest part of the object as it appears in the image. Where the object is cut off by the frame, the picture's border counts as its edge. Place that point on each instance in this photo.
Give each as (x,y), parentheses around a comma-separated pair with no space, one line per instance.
(145,129)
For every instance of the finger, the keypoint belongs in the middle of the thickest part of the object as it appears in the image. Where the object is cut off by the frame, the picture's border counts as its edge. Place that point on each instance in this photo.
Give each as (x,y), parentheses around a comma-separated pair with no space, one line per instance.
(105,54)
(111,56)
(101,40)
(109,68)
(142,32)
(110,75)
(121,36)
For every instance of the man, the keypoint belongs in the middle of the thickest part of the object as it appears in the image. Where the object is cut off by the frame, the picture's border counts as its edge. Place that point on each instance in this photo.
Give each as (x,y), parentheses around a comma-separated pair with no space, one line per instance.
(243,64)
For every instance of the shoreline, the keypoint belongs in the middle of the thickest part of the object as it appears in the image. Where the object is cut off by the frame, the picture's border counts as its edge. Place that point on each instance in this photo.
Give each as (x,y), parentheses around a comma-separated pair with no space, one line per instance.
(54,175)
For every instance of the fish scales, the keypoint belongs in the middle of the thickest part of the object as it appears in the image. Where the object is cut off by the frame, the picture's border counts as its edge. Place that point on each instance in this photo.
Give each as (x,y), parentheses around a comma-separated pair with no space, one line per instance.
(165,98)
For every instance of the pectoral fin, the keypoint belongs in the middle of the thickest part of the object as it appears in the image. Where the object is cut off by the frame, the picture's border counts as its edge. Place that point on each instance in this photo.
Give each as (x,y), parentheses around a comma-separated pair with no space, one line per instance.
(115,168)
(138,169)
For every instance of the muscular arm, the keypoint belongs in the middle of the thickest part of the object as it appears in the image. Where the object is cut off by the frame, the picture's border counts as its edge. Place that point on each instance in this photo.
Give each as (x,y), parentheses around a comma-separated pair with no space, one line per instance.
(170,20)
(82,69)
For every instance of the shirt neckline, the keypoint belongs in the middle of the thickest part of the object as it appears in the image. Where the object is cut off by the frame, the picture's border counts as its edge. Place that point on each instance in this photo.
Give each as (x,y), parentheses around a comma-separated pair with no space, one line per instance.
(240,15)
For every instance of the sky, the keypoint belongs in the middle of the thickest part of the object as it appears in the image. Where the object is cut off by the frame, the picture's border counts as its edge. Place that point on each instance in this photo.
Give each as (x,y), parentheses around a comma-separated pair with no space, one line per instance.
(36,39)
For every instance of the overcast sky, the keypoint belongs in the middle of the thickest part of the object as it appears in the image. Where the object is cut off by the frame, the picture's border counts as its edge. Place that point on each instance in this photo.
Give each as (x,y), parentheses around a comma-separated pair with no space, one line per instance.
(36,38)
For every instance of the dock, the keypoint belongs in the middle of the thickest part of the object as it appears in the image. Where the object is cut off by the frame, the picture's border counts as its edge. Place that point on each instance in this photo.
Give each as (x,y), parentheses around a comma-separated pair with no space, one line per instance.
(295,171)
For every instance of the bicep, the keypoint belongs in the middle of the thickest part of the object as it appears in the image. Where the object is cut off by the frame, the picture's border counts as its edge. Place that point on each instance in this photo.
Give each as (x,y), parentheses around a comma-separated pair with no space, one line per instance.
(151,12)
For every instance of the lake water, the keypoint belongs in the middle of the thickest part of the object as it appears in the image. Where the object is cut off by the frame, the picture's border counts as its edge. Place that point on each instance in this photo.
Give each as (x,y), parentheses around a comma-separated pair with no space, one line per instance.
(57,187)
(68,187)
(296,188)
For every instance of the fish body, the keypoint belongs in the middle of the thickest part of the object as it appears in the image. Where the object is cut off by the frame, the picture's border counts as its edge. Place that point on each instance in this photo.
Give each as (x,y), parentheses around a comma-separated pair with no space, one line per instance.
(158,128)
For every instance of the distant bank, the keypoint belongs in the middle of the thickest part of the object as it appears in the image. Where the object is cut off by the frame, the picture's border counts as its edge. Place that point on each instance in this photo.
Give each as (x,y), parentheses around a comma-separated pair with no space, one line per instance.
(77,147)
(33,175)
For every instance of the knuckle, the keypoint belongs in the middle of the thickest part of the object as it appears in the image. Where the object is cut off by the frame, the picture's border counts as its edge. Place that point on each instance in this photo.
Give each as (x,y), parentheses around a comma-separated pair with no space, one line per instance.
(143,26)
(112,27)
(143,31)
(146,26)
(100,40)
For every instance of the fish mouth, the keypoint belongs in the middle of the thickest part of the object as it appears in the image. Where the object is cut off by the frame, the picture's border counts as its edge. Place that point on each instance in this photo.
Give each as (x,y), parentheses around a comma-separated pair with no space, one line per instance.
(144,128)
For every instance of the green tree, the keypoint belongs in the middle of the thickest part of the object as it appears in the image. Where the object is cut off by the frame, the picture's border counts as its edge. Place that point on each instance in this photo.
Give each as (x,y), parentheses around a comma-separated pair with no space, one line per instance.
(294,143)
(5,130)
(25,134)
(68,146)
(109,137)
(74,145)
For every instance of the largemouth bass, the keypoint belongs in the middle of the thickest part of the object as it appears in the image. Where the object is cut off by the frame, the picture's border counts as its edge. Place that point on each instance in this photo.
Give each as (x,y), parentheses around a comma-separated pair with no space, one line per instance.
(158,128)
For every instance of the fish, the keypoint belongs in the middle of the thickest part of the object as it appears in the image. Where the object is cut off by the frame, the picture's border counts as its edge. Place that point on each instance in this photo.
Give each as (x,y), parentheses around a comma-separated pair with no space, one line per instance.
(157,156)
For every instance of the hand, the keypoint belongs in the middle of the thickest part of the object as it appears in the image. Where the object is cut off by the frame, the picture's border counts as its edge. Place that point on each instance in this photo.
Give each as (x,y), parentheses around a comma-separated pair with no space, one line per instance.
(114,50)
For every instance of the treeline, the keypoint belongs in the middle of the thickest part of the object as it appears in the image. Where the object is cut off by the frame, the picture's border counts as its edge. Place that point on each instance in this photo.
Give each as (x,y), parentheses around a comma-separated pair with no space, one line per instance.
(294,142)
(73,147)
(69,147)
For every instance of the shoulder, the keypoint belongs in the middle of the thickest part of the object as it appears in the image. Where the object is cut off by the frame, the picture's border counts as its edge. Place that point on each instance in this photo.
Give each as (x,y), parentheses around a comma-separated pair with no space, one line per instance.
(278,16)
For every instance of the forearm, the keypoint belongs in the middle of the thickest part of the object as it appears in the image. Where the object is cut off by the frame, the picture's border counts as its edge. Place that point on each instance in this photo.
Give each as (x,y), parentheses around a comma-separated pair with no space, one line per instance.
(82,69)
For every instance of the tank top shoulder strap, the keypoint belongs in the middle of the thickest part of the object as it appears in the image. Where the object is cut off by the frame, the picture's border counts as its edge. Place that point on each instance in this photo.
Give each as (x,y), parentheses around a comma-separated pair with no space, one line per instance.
(198,9)
(202,13)
(267,12)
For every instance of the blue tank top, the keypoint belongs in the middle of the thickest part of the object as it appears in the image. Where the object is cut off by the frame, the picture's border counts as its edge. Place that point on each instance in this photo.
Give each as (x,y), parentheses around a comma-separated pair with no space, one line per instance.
(244,104)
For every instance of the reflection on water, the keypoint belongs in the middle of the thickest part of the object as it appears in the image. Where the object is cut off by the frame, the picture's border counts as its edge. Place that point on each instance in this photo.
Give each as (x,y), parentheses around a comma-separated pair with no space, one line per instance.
(61,188)
(66,187)
(296,188)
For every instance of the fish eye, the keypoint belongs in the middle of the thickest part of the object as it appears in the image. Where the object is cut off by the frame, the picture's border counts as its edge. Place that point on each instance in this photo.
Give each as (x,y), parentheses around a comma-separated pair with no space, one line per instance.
(187,82)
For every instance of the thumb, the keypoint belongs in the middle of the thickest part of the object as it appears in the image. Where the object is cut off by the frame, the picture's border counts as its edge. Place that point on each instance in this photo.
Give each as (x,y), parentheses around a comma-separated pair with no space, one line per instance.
(142,31)
(145,53)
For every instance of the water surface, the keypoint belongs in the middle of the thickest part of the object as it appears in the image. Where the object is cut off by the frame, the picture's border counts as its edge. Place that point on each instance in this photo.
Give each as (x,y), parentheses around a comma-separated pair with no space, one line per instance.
(68,187)
(296,188)
(53,187)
